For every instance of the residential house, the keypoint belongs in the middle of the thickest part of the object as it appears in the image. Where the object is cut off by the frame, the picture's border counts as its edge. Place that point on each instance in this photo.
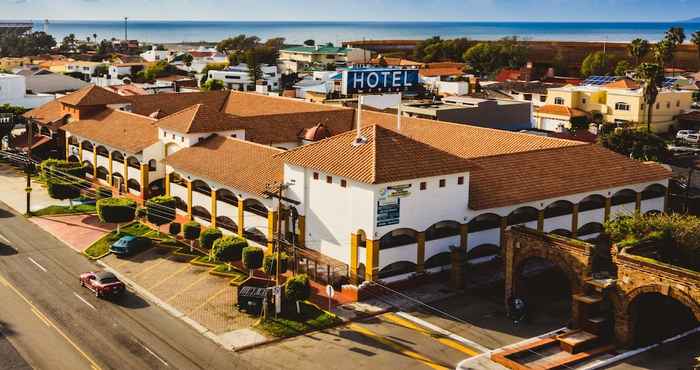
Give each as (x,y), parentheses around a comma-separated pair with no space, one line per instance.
(298,59)
(13,91)
(238,77)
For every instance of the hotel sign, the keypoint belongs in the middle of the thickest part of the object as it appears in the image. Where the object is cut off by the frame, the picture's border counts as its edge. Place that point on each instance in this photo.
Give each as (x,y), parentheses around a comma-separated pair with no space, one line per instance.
(379,80)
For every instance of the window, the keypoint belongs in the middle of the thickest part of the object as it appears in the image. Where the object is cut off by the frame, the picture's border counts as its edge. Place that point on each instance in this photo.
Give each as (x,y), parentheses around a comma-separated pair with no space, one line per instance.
(343,184)
(543,98)
(182,139)
(173,136)
(622,106)
(315,175)
(559,101)
(234,135)
(460,180)
(442,183)
(423,186)
(583,100)
(527,97)
(658,106)
(165,134)
(668,105)
(678,104)
(329,179)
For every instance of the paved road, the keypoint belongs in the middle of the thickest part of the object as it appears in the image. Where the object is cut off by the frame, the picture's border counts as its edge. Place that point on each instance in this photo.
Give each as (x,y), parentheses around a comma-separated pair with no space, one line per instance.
(53,323)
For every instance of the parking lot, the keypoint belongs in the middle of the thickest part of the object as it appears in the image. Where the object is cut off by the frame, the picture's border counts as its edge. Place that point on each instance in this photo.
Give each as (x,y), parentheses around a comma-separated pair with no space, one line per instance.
(208,299)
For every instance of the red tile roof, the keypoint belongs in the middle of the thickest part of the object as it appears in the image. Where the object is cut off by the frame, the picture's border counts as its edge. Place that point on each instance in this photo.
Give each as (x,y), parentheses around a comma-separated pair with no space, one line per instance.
(198,118)
(118,129)
(561,110)
(92,95)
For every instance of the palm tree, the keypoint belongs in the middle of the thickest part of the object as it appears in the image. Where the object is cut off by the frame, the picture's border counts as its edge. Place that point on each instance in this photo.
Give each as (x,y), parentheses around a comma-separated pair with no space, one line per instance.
(651,76)
(662,52)
(676,35)
(695,39)
(638,49)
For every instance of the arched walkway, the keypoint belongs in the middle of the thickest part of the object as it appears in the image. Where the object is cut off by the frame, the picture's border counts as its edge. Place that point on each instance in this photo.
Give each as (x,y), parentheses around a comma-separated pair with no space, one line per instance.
(102,173)
(87,145)
(227,196)
(443,229)
(523,215)
(133,185)
(202,213)
(398,238)
(133,162)
(655,316)
(201,187)
(396,269)
(255,206)
(226,224)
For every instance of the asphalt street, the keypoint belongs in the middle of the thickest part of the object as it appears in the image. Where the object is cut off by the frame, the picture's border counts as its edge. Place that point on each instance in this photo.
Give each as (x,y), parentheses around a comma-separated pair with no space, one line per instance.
(48,321)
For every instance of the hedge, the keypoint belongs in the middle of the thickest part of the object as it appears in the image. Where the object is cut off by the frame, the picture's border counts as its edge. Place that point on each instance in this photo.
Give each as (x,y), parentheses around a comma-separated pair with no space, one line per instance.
(297,288)
(270,264)
(116,210)
(209,236)
(161,210)
(228,248)
(175,228)
(62,190)
(252,257)
(191,230)
(71,168)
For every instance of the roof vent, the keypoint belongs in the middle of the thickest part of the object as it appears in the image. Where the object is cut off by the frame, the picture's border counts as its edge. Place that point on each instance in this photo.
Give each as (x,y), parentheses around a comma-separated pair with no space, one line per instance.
(359,141)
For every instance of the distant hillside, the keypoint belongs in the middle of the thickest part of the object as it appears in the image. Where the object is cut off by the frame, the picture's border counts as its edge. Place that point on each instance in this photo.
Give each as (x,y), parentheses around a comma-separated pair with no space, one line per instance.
(693,20)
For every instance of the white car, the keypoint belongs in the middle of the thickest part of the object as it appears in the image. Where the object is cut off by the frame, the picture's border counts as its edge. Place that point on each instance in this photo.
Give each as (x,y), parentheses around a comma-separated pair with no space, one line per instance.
(692,138)
(683,134)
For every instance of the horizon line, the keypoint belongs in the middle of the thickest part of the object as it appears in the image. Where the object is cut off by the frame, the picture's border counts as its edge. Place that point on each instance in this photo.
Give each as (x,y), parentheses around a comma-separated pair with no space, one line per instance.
(33,20)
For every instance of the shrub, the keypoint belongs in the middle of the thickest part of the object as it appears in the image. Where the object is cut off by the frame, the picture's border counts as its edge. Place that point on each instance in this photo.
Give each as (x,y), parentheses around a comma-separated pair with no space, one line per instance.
(270,264)
(252,257)
(141,213)
(209,236)
(116,210)
(174,228)
(191,230)
(47,167)
(102,193)
(228,249)
(63,190)
(161,210)
(297,288)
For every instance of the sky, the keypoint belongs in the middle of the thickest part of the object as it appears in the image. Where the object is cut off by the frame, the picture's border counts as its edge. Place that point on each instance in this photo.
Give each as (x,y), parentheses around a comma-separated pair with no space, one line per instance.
(356,10)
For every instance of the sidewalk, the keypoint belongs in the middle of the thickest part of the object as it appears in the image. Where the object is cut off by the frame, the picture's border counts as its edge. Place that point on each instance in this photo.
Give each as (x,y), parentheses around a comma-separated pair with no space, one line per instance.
(12,185)
(77,231)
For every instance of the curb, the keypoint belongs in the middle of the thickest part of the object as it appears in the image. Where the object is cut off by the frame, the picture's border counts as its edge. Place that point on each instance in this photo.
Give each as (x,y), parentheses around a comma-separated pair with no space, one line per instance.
(167,307)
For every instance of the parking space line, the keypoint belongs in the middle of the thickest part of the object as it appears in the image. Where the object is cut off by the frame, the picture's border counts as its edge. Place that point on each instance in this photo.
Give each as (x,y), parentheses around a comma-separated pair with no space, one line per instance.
(437,336)
(149,268)
(211,298)
(396,346)
(165,279)
(204,276)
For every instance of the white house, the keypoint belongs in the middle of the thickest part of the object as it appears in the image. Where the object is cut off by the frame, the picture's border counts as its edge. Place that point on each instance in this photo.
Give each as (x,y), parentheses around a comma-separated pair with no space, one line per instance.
(155,55)
(13,91)
(238,77)
(308,58)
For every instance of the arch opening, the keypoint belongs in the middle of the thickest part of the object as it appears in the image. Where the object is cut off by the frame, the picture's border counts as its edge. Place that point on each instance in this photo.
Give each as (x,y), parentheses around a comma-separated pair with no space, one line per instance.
(656,317)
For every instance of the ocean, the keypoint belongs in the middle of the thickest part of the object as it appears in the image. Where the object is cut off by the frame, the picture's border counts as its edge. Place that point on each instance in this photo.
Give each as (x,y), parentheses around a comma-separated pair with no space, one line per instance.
(297,32)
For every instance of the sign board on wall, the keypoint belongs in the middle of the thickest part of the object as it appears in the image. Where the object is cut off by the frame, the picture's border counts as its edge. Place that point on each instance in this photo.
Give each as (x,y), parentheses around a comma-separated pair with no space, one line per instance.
(379,80)
(388,212)
(395,191)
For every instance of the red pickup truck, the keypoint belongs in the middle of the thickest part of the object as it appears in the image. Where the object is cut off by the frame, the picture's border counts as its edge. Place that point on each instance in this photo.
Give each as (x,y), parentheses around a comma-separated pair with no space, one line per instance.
(102,283)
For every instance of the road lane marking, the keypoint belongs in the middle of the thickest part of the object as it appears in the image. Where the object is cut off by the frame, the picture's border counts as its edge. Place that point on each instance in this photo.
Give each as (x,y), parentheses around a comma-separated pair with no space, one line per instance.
(51,324)
(37,264)
(444,332)
(211,298)
(40,316)
(84,301)
(4,239)
(154,355)
(165,279)
(437,336)
(204,276)
(396,346)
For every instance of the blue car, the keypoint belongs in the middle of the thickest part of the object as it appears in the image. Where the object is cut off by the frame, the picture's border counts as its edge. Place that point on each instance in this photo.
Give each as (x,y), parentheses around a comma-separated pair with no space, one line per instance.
(129,245)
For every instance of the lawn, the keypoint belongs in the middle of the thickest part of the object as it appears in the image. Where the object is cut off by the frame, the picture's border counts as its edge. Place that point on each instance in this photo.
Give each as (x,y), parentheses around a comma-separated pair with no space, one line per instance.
(289,323)
(101,247)
(66,210)
(236,275)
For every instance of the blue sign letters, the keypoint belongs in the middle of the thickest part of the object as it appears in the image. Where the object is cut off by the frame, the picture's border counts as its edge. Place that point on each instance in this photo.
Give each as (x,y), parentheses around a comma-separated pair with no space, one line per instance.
(379,80)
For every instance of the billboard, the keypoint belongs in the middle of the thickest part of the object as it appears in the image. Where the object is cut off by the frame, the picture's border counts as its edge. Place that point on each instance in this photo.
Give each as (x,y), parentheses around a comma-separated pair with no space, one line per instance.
(379,80)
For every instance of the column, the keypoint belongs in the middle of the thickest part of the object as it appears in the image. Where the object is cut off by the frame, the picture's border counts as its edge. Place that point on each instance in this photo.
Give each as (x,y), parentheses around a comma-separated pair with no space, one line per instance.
(126,174)
(302,231)
(354,245)
(145,181)
(504,226)
(67,146)
(189,199)
(638,203)
(372,265)
(464,236)
(271,229)
(94,162)
(540,220)
(608,205)
(80,151)
(214,213)
(574,221)
(167,183)
(109,169)
(241,212)
(420,257)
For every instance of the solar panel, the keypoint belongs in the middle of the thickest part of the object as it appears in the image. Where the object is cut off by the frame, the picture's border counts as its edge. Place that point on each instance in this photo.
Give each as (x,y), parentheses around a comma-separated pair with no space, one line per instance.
(599,80)
(669,82)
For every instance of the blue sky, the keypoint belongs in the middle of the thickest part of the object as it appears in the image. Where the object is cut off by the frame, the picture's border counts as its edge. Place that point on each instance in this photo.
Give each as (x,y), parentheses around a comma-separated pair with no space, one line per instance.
(337,10)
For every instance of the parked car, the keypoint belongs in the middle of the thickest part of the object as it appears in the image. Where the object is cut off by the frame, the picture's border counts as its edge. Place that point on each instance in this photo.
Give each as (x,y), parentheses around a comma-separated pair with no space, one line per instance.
(692,138)
(102,283)
(682,134)
(129,245)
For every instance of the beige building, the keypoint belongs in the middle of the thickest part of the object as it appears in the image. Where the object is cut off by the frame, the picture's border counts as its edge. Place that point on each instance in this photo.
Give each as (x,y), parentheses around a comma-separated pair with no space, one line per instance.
(307,58)
(620,102)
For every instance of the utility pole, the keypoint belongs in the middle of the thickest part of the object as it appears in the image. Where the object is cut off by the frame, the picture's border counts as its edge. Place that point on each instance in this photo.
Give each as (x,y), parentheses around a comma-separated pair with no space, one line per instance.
(277,242)
(28,169)
(126,34)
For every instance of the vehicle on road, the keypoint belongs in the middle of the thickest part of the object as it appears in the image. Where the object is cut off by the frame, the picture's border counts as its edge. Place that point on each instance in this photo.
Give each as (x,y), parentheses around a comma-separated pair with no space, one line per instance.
(129,245)
(692,138)
(104,284)
(682,134)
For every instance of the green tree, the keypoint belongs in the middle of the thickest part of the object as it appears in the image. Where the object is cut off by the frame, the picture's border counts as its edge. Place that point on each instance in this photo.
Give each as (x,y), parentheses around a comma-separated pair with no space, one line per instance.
(104,48)
(596,64)
(234,59)
(213,85)
(209,236)
(63,190)
(253,66)
(252,258)
(17,45)
(237,43)
(641,145)
(211,67)
(187,59)
(676,35)
(69,43)
(100,70)
(662,53)
(228,248)
(116,210)
(622,68)
(270,264)
(310,42)
(297,288)
(160,210)
(638,49)
(191,231)
(174,228)
(695,39)
(514,52)
(651,75)
(275,43)
(484,58)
